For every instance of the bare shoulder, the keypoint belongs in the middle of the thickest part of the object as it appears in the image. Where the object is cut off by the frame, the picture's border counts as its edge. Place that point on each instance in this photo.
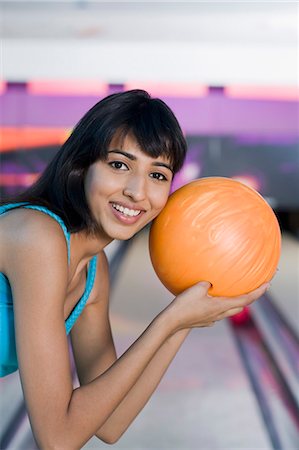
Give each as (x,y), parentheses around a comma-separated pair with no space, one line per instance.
(26,233)
(100,291)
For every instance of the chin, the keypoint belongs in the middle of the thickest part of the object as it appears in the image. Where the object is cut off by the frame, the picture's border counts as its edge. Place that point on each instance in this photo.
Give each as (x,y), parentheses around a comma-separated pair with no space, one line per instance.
(124,232)
(123,235)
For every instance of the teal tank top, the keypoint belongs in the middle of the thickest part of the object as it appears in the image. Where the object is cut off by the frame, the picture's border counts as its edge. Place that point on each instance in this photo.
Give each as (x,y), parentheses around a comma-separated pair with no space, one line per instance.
(8,353)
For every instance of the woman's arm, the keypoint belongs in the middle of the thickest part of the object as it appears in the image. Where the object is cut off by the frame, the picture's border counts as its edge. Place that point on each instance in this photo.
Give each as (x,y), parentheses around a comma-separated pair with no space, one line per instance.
(141,392)
(94,353)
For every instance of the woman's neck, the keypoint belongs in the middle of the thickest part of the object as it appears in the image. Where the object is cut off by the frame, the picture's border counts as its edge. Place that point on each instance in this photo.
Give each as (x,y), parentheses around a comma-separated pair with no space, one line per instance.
(83,248)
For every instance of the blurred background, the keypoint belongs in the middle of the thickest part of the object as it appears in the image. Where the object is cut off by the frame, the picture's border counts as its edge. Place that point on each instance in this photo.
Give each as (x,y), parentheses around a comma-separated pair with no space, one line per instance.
(229,71)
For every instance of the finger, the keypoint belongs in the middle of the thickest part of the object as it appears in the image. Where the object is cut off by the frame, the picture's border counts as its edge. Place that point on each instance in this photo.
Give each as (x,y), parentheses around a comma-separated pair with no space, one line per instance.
(203,324)
(247,299)
(230,312)
(204,286)
(257,293)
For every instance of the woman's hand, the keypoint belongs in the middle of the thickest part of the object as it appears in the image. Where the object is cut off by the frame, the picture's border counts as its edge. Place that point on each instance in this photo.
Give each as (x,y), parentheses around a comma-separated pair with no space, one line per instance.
(196,308)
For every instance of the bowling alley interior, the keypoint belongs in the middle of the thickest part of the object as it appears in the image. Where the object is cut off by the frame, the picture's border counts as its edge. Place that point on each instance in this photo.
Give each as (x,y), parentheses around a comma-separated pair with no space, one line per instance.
(229,72)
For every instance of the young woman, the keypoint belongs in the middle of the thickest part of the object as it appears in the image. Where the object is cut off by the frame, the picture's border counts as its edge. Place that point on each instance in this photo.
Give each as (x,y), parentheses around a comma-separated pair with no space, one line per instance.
(110,178)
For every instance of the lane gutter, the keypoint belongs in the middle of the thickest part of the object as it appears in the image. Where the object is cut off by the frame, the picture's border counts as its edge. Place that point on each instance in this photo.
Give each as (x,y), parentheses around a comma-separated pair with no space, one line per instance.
(276,400)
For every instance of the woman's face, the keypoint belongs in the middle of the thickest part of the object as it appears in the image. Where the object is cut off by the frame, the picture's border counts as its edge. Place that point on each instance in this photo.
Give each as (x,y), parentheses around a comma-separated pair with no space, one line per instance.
(128,190)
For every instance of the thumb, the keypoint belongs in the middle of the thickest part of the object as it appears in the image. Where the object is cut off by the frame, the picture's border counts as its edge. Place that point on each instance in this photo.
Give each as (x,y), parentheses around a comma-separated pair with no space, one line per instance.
(205,285)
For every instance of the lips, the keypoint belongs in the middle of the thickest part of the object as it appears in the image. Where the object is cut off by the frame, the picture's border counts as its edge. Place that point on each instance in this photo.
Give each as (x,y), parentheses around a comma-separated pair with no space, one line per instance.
(126,211)
(126,214)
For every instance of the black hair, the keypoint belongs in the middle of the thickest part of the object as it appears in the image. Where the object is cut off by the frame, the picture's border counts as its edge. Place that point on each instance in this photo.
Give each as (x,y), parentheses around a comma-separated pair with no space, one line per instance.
(61,186)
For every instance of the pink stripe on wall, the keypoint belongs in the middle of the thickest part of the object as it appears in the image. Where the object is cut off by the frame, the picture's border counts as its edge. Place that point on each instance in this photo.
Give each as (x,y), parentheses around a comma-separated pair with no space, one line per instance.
(67,87)
(170,89)
(288,93)
(2,87)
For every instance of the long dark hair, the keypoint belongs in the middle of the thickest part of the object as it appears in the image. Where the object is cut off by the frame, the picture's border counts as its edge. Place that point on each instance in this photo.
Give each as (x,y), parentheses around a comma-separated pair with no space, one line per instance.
(61,186)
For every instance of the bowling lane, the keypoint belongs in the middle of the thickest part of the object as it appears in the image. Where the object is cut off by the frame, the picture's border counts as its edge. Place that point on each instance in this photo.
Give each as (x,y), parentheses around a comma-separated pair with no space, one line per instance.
(11,398)
(205,399)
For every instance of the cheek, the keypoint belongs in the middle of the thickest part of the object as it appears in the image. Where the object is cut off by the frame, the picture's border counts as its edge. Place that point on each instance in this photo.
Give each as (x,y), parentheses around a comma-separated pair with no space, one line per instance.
(159,200)
(97,185)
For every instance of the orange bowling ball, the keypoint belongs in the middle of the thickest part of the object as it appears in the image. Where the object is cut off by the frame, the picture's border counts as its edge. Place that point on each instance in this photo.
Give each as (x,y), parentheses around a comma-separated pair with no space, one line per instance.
(218,230)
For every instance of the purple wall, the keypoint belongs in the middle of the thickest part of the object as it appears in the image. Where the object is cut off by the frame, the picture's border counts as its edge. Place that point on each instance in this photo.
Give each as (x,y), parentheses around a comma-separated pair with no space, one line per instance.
(214,114)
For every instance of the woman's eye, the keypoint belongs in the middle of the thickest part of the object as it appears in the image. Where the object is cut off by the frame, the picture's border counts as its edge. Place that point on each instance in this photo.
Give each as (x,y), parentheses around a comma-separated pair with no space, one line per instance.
(159,176)
(118,165)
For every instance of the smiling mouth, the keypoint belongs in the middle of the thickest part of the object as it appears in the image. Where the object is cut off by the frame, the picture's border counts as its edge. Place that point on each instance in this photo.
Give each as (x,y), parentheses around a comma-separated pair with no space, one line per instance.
(126,212)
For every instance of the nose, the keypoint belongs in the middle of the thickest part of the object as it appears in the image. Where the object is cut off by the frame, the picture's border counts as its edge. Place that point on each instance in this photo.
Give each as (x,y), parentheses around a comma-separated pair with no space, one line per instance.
(136,188)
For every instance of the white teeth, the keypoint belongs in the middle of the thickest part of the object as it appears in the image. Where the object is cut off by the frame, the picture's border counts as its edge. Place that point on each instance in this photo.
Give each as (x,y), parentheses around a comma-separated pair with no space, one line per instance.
(126,211)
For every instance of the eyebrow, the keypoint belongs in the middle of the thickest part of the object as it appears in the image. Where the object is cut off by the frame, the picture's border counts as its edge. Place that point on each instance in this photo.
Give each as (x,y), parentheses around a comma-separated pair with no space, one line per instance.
(134,158)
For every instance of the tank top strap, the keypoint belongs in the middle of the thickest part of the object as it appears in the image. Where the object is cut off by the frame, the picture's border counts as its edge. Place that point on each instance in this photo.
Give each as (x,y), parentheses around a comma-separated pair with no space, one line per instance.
(82,302)
(67,234)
